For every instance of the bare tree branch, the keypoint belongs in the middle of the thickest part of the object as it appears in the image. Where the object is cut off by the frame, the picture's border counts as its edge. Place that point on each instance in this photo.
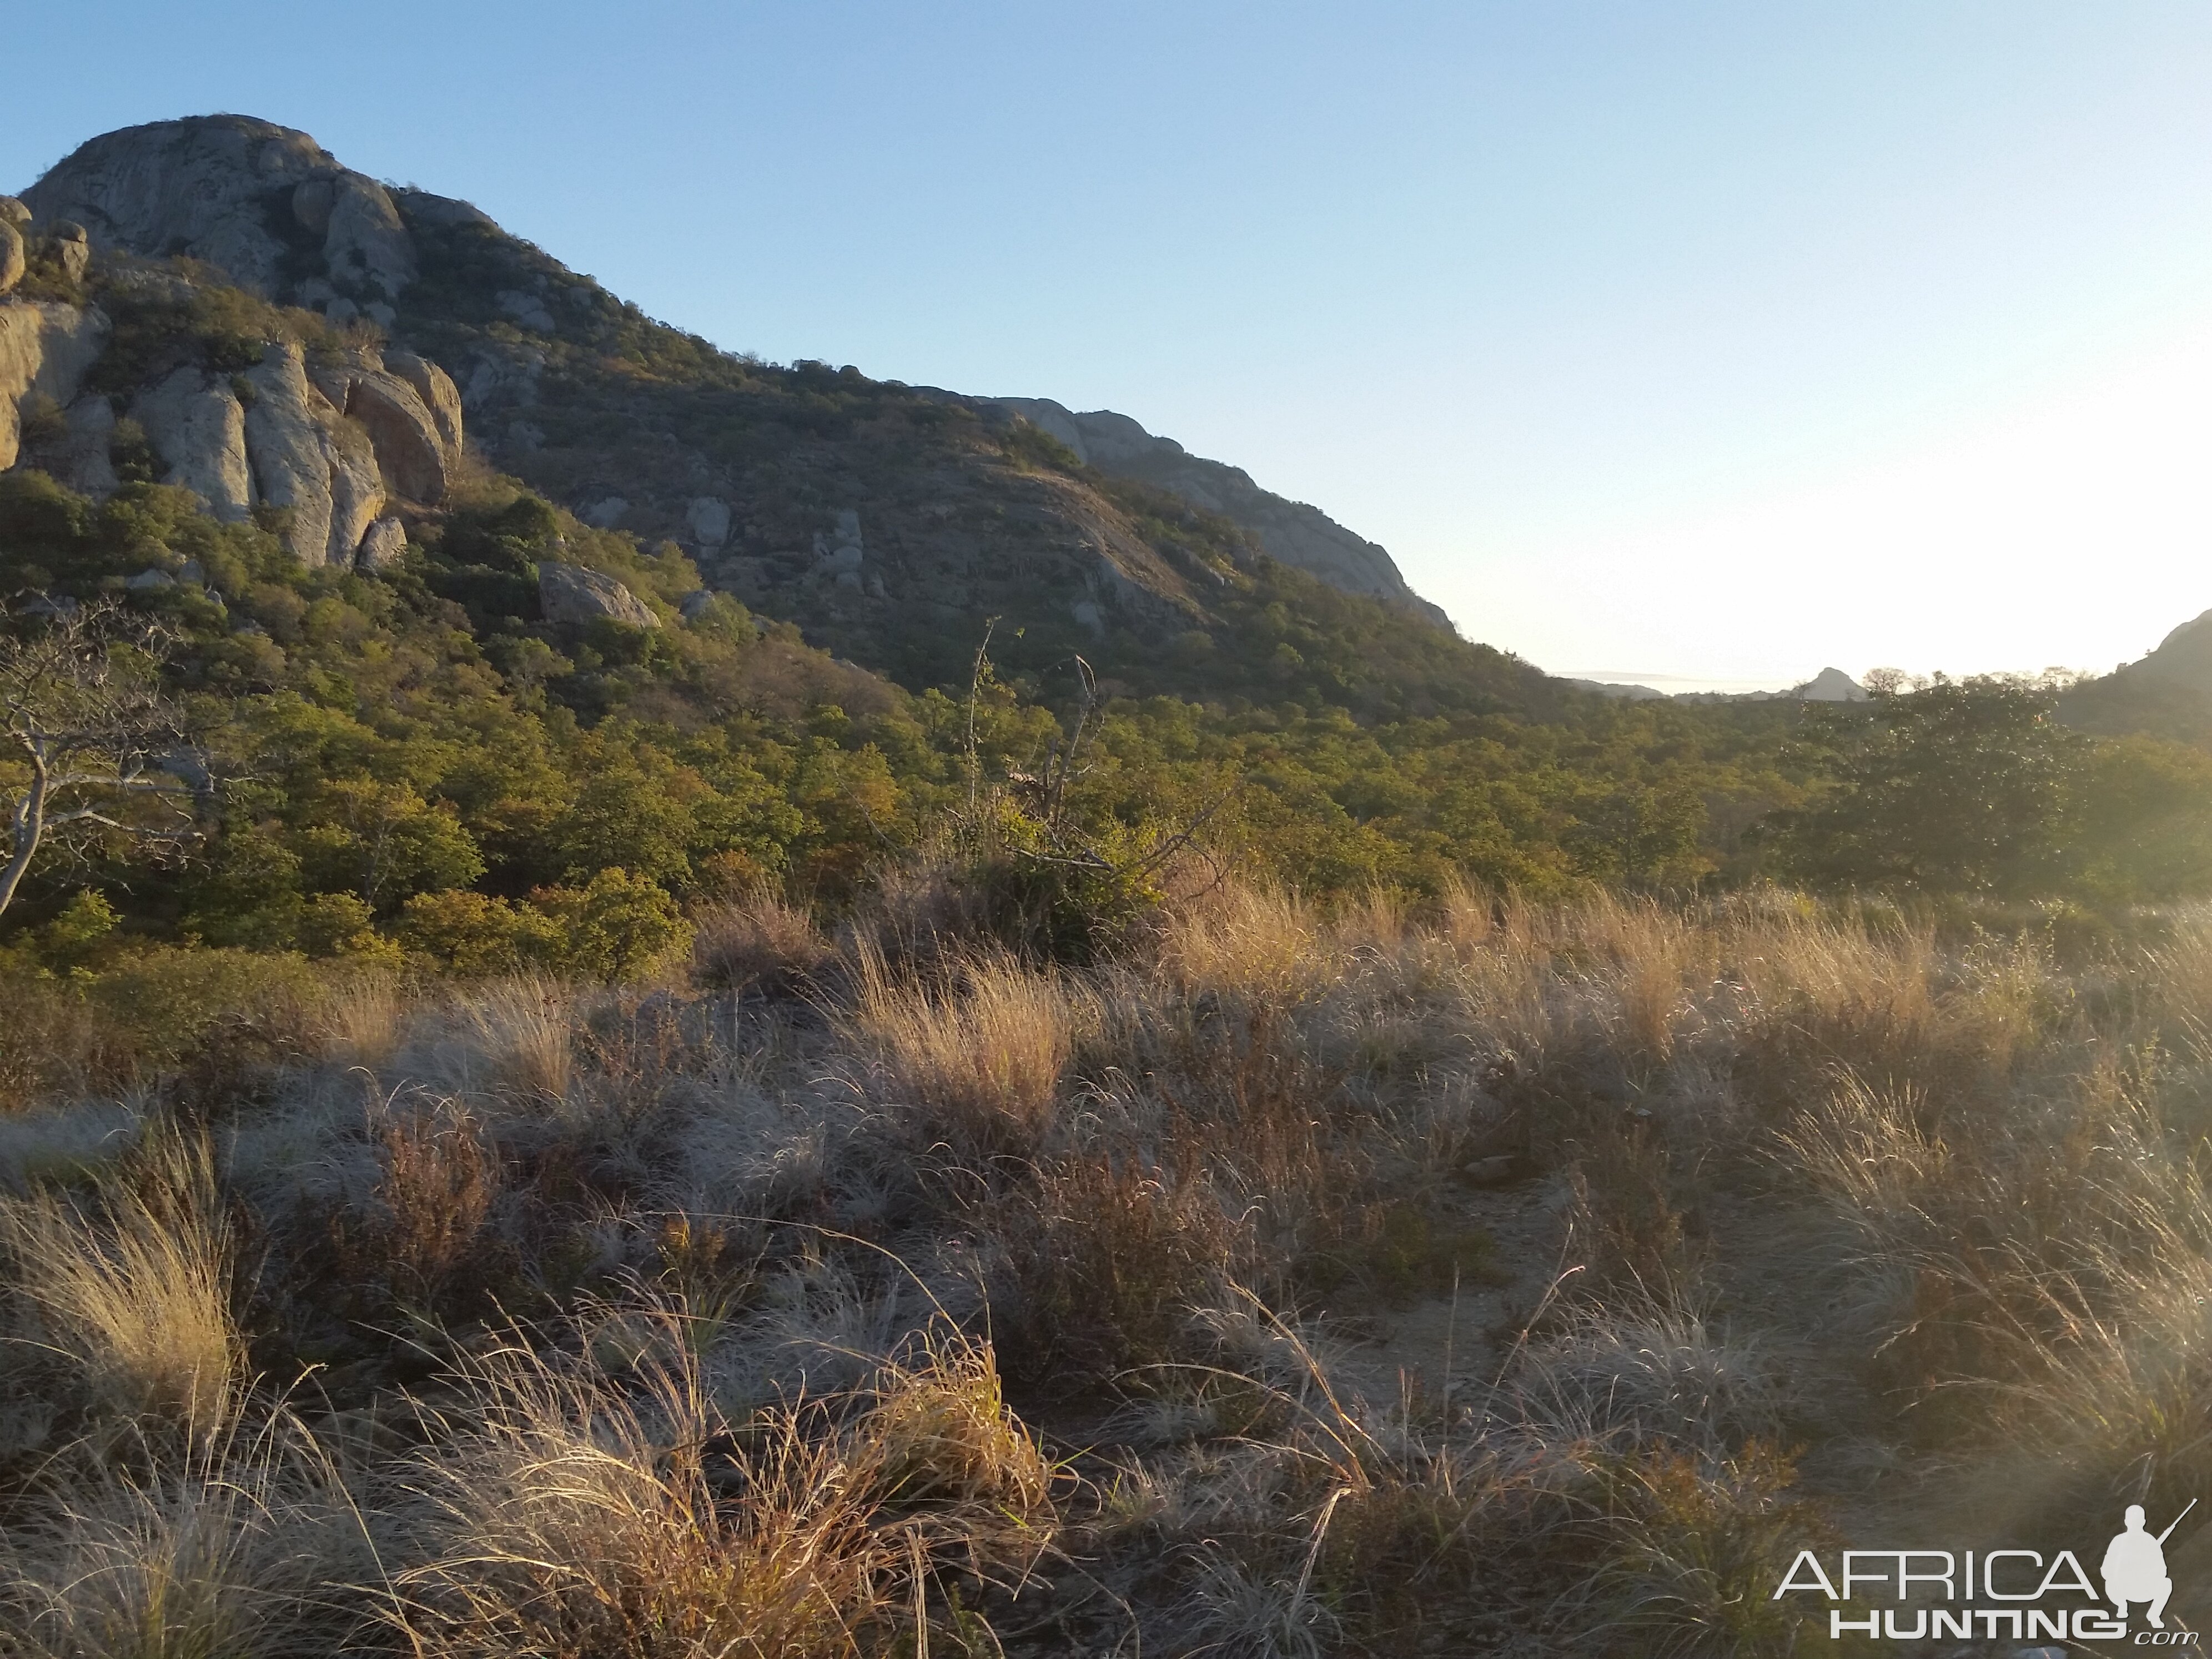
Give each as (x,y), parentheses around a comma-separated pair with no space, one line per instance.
(80,702)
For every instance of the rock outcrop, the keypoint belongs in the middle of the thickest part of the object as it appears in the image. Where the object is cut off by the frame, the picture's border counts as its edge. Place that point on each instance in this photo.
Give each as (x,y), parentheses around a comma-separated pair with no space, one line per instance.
(709,518)
(2183,658)
(11,256)
(364,244)
(382,546)
(44,349)
(765,473)
(408,450)
(198,429)
(318,467)
(218,187)
(571,594)
(1291,532)
(85,461)
(1830,685)
(73,246)
(528,309)
(436,389)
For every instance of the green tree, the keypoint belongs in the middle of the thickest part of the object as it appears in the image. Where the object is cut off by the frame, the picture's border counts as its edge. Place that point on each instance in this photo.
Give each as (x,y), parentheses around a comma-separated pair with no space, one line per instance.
(384,842)
(1641,834)
(1963,787)
(619,926)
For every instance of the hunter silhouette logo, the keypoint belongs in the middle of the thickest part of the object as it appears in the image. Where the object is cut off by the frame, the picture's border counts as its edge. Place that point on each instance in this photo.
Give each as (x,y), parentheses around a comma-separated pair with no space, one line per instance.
(2135,1566)
(2001,1594)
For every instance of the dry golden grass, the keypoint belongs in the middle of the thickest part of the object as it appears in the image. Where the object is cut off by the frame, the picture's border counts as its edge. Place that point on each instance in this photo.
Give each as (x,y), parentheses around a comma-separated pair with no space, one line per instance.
(514,1040)
(252,1547)
(570,1511)
(980,1046)
(360,1018)
(1246,942)
(669,1385)
(134,1287)
(940,1433)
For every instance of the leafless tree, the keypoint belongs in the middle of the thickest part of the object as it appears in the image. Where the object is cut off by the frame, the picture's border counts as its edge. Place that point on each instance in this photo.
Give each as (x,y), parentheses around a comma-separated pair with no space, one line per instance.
(87,731)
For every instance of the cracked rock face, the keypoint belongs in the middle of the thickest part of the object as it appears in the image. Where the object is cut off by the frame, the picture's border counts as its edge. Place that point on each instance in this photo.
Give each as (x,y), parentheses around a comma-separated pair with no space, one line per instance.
(409,451)
(436,389)
(318,467)
(1292,531)
(86,463)
(198,429)
(73,246)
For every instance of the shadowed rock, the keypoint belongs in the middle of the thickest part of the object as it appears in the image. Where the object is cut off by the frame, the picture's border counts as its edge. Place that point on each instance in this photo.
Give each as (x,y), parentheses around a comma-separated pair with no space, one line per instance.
(403,432)
(73,246)
(1288,531)
(85,461)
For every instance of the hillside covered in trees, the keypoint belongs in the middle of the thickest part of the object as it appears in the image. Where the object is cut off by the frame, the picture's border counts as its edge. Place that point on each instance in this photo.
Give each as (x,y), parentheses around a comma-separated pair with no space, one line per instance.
(430,713)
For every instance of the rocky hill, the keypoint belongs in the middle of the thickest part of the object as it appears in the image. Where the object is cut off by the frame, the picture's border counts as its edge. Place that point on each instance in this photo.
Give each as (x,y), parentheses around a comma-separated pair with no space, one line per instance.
(292,339)
(2166,693)
(2182,660)
(1292,531)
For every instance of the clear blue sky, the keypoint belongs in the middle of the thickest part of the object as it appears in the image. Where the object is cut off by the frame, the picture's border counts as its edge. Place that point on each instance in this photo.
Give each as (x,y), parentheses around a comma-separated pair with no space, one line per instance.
(1719,340)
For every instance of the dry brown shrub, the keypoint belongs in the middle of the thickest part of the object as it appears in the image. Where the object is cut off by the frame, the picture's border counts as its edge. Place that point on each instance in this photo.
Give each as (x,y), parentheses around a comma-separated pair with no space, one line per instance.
(759,942)
(1104,1260)
(439,1181)
(1628,1225)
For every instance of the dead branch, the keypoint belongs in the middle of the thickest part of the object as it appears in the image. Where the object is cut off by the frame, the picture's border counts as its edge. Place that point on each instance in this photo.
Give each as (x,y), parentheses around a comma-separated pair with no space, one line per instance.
(85,727)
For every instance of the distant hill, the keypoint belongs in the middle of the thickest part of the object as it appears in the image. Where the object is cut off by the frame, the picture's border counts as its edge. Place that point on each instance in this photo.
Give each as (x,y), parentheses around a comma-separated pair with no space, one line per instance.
(2167,694)
(1625,692)
(891,522)
(1829,685)
(2183,658)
